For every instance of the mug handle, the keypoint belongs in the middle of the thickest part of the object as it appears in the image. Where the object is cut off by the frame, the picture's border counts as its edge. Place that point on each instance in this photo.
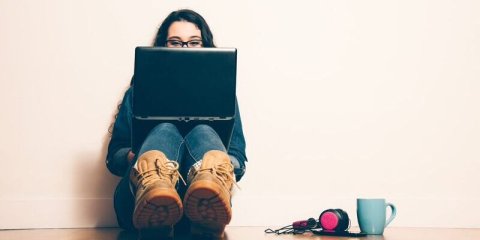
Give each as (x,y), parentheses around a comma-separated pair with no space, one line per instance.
(394,213)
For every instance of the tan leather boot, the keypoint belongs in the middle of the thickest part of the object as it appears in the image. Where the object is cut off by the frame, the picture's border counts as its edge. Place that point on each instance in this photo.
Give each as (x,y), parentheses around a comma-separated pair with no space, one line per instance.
(157,203)
(207,200)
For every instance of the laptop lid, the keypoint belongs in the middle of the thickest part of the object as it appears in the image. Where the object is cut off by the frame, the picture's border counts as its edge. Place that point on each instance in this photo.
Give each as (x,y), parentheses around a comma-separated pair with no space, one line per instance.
(184,83)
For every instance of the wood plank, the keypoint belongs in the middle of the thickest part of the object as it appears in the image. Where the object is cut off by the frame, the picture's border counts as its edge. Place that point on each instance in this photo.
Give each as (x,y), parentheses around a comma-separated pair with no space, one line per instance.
(239,233)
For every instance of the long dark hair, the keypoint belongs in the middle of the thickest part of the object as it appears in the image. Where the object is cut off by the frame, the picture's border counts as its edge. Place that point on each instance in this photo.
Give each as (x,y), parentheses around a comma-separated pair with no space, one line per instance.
(186,15)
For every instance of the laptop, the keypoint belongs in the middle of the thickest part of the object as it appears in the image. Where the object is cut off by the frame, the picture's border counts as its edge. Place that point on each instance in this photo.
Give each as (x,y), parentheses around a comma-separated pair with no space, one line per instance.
(186,87)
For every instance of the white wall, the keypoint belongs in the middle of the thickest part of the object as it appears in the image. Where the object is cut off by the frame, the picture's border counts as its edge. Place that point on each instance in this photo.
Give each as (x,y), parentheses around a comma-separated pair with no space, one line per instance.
(339,99)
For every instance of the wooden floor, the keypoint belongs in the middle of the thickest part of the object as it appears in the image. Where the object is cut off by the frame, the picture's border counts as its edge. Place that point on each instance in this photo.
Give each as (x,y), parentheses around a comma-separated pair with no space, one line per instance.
(238,233)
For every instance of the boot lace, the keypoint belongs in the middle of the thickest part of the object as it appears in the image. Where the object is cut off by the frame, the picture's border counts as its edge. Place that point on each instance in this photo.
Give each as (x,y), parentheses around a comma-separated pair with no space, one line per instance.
(163,170)
(224,173)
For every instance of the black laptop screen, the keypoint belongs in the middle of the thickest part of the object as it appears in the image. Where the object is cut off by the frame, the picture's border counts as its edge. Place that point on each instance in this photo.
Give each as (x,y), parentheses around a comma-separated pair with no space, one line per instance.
(184,82)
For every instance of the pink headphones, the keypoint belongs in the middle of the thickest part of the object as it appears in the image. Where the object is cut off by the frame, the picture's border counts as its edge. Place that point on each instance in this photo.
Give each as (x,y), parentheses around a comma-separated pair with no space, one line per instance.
(331,220)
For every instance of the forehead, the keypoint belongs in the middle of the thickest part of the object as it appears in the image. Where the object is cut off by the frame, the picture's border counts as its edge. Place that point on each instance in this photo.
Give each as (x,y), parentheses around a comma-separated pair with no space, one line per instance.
(183,30)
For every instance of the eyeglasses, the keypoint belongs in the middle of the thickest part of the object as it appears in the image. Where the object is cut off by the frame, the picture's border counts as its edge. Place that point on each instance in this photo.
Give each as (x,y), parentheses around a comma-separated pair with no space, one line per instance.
(178,43)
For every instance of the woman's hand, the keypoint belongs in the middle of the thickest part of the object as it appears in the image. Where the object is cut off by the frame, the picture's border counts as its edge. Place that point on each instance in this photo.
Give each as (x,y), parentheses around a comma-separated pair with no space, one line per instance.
(130,156)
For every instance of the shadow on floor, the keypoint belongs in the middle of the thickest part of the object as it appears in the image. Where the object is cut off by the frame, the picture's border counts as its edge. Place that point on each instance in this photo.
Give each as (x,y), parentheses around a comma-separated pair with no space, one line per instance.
(182,232)
(125,235)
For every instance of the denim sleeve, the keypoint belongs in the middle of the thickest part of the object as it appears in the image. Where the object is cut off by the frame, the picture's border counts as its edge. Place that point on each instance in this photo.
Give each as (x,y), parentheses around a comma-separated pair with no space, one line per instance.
(120,143)
(237,145)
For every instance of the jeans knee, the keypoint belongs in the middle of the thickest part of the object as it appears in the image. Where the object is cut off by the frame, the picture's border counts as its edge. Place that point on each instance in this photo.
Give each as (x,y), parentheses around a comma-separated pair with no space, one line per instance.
(204,133)
(165,127)
(202,128)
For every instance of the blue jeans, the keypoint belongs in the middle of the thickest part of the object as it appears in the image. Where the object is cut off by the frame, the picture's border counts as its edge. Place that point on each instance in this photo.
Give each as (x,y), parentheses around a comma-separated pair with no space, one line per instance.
(187,150)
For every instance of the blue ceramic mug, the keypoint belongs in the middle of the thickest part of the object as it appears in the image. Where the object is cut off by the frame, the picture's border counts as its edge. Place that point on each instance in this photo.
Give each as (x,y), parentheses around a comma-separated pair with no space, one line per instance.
(371,215)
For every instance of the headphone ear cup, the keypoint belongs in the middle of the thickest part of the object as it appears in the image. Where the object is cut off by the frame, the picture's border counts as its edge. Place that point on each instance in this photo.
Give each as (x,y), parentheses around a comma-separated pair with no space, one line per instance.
(344,220)
(334,220)
(329,220)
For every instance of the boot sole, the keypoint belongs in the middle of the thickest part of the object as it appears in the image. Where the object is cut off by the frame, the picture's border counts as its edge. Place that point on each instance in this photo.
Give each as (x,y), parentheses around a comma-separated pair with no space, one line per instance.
(207,208)
(158,208)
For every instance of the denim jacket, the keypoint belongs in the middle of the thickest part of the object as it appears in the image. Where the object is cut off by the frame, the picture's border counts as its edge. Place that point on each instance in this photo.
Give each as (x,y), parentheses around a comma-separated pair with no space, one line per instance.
(120,143)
